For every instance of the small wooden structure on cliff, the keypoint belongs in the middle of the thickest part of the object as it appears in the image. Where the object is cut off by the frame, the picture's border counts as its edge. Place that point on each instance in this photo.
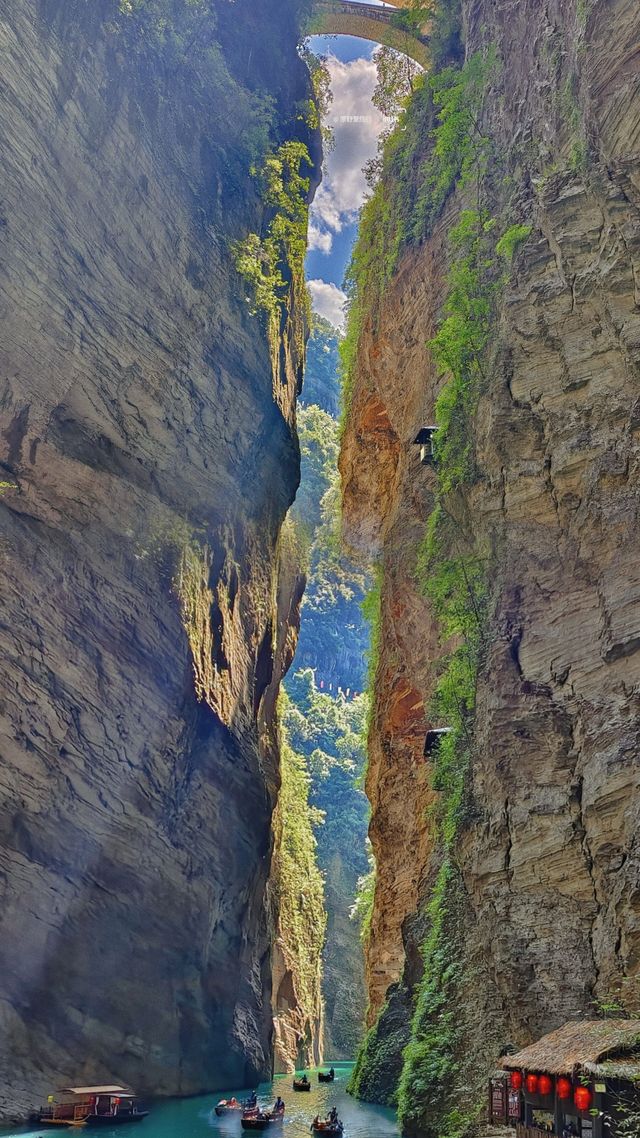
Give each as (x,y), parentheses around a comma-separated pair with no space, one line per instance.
(582,1080)
(424,439)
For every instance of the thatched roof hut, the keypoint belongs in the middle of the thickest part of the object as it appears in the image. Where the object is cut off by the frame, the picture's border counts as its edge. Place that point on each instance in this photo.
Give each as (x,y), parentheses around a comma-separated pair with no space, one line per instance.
(584,1045)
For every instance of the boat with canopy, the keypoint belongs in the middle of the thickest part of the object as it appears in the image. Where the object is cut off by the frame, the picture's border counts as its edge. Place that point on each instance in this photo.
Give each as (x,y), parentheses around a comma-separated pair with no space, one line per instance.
(91,1106)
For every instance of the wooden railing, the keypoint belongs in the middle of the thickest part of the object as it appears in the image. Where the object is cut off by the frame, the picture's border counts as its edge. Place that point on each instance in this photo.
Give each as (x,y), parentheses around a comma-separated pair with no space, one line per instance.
(523,1131)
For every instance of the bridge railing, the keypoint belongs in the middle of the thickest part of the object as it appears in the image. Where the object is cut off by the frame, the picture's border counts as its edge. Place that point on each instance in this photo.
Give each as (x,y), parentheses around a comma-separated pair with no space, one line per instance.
(367,12)
(345,8)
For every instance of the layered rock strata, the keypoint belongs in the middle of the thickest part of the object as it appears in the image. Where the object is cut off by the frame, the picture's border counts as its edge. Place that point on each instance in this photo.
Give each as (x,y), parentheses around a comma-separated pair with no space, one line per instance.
(148,457)
(549,851)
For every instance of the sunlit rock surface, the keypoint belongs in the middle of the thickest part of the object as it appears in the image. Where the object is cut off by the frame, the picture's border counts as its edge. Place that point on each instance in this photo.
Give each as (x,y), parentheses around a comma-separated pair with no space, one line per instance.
(549,857)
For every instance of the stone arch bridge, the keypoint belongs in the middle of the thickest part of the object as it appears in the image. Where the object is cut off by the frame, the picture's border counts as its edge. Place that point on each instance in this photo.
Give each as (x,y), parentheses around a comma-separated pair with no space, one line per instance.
(369,22)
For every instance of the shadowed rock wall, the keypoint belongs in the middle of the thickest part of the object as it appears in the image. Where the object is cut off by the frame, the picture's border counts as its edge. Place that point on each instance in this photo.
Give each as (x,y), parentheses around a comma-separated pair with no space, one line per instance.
(147,458)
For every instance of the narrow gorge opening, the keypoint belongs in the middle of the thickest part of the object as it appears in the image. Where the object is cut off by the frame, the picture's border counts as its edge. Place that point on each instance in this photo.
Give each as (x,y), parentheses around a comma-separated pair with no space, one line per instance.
(325,708)
(196,672)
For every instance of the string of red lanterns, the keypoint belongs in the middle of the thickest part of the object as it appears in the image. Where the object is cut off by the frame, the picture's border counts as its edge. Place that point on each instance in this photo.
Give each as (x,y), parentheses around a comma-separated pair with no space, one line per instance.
(543,1085)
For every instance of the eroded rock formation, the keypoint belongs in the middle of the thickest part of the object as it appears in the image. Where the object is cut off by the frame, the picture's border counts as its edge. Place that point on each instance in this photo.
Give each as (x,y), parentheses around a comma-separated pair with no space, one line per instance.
(548,852)
(148,456)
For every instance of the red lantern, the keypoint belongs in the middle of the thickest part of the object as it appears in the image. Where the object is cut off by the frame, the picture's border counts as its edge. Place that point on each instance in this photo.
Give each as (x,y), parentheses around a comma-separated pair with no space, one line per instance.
(531,1083)
(545,1085)
(563,1088)
(582,1098)
(516,1080)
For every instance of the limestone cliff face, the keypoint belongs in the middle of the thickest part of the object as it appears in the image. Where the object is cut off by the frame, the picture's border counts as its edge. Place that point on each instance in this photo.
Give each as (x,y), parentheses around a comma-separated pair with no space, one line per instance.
(549,853)
(147,458)
(387,502)
(557,772)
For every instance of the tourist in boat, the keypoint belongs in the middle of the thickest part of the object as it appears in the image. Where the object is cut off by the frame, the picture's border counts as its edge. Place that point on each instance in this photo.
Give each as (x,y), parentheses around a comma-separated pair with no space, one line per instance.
(329,1125)
(332,1073)
(252,1100)
(278,1106)
(304,1079)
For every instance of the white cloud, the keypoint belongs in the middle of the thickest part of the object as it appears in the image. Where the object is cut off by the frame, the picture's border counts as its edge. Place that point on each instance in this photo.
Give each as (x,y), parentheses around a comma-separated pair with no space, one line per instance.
(356,125)
(328,300)
(319,239)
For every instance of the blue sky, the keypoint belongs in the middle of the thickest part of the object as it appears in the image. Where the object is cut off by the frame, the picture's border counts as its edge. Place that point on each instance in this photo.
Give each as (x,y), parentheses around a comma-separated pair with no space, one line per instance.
(356,125)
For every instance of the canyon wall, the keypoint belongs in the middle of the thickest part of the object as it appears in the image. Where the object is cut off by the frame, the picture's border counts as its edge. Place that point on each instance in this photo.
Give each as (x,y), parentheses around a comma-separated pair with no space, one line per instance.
(546,846)
(148,456)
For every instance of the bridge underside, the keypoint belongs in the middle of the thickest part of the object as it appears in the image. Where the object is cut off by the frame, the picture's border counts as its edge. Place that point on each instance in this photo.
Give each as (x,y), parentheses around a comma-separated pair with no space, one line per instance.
(341,24)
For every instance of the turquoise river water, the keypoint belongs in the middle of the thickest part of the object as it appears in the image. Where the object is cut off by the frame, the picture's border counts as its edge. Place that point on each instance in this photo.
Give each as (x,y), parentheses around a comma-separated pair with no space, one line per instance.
(195,1117)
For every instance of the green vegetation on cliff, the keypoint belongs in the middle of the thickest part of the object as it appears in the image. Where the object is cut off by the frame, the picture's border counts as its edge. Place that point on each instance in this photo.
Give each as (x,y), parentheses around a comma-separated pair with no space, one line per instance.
(327,736)
(454,577)
(429,1100)
(333,635)
(328,732)
(459,346)
(195,43)
(439,149)
(435,146)
(454,574)
(362,909)
(319,447)
(378,1065)
(273,263)
(324,724)
(297,880)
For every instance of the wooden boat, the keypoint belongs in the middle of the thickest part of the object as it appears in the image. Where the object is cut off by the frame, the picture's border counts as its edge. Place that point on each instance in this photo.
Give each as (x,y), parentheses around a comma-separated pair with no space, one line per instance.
(326,1076)
(301,1085)
(262,1120)
(326,1126)
(91,1106)
(228,1106)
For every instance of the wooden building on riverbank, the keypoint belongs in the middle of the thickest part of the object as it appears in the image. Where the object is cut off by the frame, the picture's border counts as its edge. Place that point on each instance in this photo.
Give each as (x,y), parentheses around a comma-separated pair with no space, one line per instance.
(582,1080)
